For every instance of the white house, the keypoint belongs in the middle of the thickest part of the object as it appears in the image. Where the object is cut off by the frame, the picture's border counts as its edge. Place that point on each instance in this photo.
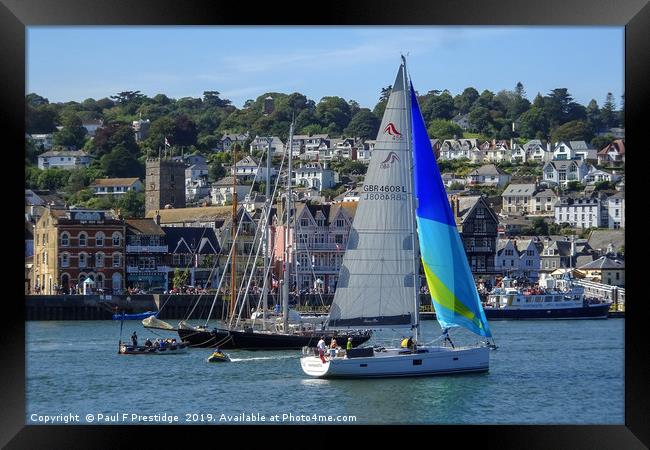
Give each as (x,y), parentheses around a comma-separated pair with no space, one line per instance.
(544,203)
(314,175)
(519,154)
(616,210)
(92,125)
(538,153)
(116,186)
(196,182)
(262,143)
(583,150)
(249,168)
(64,159)
(563,171)
(519,257)
(563,151)
(612,153)
(221,191)
(488,175)
(596,175)
(43,140)
(518,198)
(579,211)
(228,140)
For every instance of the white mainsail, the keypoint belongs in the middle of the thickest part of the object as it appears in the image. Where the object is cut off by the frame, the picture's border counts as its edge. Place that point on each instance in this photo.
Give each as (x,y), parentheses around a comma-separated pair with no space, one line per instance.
(376,282)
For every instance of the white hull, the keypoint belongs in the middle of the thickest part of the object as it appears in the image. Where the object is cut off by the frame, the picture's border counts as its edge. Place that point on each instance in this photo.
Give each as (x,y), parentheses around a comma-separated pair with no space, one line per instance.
(428,361)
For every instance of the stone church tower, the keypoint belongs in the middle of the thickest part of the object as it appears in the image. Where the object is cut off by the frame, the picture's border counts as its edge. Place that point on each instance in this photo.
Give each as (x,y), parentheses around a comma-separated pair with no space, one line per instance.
(165,184)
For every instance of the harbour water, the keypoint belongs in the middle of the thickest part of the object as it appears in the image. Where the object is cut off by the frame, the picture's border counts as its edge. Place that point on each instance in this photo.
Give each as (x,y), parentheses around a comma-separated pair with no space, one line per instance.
(544,372)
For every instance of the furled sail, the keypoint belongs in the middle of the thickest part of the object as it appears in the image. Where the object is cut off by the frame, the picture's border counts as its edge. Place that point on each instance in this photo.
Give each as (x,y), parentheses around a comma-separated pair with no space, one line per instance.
(376,286)
(447,271)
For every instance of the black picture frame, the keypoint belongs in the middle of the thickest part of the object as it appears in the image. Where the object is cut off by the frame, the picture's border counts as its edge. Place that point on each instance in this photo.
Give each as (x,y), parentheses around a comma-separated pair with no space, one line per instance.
(15,15)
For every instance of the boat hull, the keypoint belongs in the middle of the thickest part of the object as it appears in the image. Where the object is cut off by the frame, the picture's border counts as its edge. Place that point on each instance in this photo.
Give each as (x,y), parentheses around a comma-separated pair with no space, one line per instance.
(246,340)
(588,312)
(143,350)
(430,361)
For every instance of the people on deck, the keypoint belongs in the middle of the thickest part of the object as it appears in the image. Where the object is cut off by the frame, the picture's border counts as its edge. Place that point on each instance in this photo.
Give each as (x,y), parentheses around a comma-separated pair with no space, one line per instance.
(445,334)
(134,339)
(321,346)
(407,342)
(333,346)
(348,346)
(148,343)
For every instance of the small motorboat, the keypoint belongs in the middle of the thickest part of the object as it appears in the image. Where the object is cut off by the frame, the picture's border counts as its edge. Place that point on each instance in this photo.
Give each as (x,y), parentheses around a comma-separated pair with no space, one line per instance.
(169,349)
(218,356)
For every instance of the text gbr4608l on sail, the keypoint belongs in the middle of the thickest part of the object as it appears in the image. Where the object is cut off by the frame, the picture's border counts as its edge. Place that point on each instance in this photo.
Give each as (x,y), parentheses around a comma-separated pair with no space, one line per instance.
(378,282)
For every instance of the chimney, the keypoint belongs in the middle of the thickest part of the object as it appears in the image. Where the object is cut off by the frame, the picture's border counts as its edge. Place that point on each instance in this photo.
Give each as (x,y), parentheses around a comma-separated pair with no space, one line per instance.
(157,218)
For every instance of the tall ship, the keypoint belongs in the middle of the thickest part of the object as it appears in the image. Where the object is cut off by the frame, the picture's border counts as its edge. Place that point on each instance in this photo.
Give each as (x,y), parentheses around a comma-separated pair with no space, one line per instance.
(551,299)
(263,331)
(403,218)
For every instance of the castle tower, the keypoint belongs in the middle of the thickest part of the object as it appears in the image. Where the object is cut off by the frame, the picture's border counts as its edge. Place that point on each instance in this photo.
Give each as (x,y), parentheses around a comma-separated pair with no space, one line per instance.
(165,184)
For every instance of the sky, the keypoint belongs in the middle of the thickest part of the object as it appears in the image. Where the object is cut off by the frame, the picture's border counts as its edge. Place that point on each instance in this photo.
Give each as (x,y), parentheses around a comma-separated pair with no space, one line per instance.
(76,63)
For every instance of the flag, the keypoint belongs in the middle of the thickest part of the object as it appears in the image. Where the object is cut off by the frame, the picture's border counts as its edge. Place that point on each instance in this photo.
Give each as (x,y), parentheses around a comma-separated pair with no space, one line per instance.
(167,144)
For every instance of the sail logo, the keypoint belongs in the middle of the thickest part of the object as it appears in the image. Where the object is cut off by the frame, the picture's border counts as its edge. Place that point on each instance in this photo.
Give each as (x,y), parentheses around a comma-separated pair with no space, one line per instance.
(392,131)
(390,159)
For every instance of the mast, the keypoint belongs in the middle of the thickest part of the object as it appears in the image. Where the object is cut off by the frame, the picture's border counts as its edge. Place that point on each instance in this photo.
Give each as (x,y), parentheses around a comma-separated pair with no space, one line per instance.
(267,261)
(233,232)
(287,271)
(412,220)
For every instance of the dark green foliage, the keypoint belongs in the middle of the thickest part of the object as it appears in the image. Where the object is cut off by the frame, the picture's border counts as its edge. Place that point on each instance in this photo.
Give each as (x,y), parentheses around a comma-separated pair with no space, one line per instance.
(120,163)
(576,130)
(444,129)
(364,124)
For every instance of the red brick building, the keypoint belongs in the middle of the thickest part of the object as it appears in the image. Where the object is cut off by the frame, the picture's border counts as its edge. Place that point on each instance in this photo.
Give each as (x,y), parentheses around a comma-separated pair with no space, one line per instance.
(72,246)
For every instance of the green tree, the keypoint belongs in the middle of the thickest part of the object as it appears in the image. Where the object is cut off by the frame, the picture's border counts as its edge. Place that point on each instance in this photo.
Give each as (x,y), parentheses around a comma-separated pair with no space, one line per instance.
(180,278)
(573,131)
(216,171)
(364,124)
(608,112)
(110,136)
(444,129)
(41,119)
(120,163)
(480,120)
(333,113)
(464,102)
(131,204)
(599,142)
(438,106)
(532,122)
(53,178)
(540,227)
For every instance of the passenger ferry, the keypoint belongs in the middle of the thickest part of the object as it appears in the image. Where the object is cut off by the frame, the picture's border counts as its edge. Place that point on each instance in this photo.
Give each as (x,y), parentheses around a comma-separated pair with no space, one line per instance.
(553,299)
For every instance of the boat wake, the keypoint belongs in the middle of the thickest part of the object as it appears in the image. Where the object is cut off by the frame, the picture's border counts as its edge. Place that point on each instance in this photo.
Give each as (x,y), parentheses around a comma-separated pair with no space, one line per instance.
(261,358)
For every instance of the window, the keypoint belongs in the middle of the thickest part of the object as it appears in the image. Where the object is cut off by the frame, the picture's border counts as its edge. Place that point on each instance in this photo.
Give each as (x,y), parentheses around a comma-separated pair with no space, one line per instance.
(512,262)
(99,239)
(116,260)
(82,260)
(117,238)
(338,238)
(65,260)
(304,222)
(616,213)
(479,226)
(340,223)
(65,239)
(99,260)
(82,239)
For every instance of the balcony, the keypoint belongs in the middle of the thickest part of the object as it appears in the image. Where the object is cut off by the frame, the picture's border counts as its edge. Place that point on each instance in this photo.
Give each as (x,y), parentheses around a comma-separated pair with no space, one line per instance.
(317,269)
(321,246)
(136,269)
(146,249)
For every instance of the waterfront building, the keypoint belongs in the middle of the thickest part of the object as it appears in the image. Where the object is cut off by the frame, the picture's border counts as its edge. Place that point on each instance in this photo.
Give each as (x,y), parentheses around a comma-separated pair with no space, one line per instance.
(519,257)
(71,246)
(477,224)
(605,269)
(544,203)
(164,185)
(193,251)
(63,159)
(116,186)
(322,235)
(205,216)
(146,254)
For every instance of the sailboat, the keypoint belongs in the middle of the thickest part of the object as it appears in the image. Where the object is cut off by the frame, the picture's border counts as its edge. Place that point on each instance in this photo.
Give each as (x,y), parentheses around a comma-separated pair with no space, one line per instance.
(247,337)
(404,204)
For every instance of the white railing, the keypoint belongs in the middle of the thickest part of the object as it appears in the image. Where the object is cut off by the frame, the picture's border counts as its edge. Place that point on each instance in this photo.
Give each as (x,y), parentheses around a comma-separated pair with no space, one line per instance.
(147,248)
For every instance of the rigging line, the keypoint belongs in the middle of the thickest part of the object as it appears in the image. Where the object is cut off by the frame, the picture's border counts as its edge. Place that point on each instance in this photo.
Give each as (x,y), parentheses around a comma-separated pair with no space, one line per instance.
(259,229)
(230,254)
(264,286)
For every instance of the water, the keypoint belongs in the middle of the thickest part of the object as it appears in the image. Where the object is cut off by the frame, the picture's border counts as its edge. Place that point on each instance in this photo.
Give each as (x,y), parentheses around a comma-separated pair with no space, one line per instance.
(544,372)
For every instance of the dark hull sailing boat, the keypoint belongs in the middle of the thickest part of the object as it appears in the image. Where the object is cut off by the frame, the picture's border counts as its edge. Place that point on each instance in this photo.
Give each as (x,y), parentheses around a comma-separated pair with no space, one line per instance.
(404,215)
(248,338)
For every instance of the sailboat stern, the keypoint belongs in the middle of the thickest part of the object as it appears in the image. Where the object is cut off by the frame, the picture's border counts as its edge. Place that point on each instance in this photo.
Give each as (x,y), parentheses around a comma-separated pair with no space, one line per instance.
(314,366)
